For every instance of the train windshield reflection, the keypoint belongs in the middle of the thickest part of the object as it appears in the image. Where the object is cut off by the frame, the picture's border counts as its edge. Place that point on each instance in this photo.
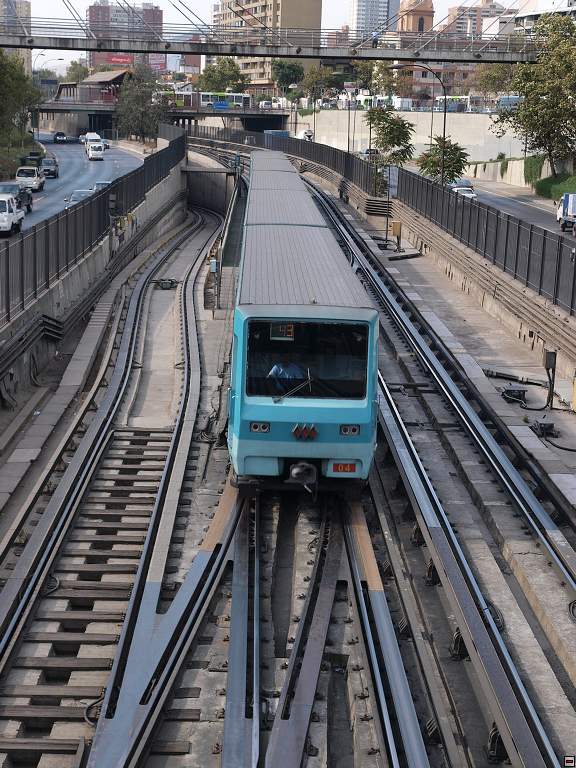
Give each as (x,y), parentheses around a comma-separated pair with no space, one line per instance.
(307,359)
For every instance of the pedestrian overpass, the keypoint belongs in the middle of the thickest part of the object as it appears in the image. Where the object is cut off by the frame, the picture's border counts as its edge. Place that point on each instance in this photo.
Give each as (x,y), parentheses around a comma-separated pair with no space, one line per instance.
(250,41)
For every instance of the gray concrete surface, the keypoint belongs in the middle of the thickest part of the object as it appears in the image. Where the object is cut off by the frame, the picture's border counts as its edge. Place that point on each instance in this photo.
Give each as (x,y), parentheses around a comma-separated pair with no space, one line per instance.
(76,172)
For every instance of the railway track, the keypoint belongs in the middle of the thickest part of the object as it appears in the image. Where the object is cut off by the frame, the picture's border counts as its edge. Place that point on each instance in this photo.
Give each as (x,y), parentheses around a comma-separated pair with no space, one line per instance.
(425,397)
(73,559)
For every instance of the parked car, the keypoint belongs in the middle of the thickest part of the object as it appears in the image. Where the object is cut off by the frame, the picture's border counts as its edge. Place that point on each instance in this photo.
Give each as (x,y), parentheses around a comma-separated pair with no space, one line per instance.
(10,215)
(105,143)
(77,196)
(100,185)
(22,195)
(30,177)
(368,152)
(95,151)
(265,105)
(60,137)
(50,167)
(82,138)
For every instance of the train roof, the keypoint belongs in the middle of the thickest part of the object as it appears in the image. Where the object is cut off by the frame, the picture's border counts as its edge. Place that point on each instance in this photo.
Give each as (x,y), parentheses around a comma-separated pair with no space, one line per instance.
(290,255)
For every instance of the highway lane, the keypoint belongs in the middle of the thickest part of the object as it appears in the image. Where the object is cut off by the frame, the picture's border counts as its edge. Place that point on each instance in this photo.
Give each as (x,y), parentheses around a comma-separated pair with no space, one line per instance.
(519,202)
(76,172)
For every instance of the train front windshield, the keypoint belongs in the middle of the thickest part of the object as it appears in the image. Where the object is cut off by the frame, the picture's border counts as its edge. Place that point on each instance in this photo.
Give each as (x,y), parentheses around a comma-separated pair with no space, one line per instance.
(307,359)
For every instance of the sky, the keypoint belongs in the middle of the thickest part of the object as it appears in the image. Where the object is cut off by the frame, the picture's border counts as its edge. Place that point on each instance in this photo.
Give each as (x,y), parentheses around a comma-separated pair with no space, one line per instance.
(335,13)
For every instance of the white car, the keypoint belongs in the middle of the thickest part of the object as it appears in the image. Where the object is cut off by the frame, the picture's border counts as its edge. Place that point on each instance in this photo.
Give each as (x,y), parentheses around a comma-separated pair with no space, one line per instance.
(89,138)
(10,215)
(30,177)
(95,151)
(465,192)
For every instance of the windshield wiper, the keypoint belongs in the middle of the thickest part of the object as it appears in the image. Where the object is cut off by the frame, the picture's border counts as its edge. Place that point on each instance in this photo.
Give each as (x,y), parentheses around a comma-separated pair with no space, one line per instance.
(295,389)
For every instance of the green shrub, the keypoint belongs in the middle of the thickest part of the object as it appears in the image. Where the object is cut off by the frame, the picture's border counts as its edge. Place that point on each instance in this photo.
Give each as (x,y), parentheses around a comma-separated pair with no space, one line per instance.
(305,112)
(503,168)
(533,169)
(475,170)
(553,187)
(500,156)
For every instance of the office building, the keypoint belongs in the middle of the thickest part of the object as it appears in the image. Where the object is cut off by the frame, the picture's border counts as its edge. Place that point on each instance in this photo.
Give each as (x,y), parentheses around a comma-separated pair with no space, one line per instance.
(368,16)
(106,19)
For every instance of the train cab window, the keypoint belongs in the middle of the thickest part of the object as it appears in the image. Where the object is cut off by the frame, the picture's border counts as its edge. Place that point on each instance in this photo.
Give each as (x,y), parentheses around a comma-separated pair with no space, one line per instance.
(307,359)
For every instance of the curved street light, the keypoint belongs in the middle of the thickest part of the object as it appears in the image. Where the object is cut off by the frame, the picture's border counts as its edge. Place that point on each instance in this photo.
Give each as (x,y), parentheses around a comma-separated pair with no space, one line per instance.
(437,76)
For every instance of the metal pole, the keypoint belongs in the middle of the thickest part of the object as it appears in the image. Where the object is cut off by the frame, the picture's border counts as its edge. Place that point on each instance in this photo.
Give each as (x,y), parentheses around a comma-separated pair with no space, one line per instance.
(348,124)
(443,128)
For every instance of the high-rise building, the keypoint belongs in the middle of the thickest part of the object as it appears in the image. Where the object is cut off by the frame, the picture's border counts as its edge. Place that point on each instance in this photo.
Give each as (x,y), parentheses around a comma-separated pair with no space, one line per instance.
(368,16)
(18,11)
(145,21)
(467,20)
(263,17)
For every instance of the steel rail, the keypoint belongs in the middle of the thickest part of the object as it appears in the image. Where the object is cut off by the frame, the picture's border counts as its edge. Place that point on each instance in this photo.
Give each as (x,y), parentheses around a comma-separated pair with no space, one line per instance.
(143,603)
(370,593)
(292,719)
(241,743)
(33,565)
(522,732)
(551,537)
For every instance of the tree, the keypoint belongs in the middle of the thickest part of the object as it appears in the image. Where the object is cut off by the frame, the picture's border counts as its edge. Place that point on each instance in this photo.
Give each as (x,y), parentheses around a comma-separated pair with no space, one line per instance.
(545,117)
(45,74)
(178,77)
(392,135)
(316,78)
(454,159)
(222,75)
(492,78)
(383,81)
(76,72)
(286,72)
(140,105)
(364,73)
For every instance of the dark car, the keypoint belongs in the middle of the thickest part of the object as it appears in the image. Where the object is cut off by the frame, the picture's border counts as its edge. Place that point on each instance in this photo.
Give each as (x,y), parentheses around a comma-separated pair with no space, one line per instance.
(22,195)
(60,138)
(50,167)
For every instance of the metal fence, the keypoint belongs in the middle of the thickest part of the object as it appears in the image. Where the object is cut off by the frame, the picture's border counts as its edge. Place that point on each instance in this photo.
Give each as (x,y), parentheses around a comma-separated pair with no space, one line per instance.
(542,260)
(32,261)
(351,167)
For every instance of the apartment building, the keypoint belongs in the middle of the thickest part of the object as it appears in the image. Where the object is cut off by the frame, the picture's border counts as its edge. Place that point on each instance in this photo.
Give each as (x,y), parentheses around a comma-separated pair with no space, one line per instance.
(19,12)
(105,19)
(468,20)
(258,15)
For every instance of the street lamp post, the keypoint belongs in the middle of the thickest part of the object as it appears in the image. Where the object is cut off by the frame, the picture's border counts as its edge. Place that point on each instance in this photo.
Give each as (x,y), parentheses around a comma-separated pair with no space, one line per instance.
(437,76)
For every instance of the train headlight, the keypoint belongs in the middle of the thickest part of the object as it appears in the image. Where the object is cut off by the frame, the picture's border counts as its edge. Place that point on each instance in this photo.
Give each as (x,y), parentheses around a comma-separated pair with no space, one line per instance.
(350,430)
(260,426)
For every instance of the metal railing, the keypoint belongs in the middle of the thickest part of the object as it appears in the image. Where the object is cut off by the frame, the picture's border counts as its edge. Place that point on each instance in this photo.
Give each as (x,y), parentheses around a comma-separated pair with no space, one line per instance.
(351,167)
(212,37)
(31,262)
(542,260)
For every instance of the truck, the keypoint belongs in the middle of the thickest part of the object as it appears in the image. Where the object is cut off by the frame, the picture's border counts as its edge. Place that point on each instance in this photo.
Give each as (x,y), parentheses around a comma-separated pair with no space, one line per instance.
(566,211)
(10,215)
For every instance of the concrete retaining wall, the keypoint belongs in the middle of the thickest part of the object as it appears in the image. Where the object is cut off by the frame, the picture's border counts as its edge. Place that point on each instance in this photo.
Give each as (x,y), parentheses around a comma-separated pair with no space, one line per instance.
(472,131)
(514,172)
(113,252)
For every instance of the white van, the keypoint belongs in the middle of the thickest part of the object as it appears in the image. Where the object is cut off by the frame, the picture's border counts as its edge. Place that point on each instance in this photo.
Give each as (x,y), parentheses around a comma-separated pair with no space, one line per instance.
(95,151)
(91,138)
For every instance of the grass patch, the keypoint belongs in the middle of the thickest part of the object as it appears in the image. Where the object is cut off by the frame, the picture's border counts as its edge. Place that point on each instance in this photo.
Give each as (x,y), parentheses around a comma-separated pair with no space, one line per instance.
(533,169)
(305,112)
(553,187)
